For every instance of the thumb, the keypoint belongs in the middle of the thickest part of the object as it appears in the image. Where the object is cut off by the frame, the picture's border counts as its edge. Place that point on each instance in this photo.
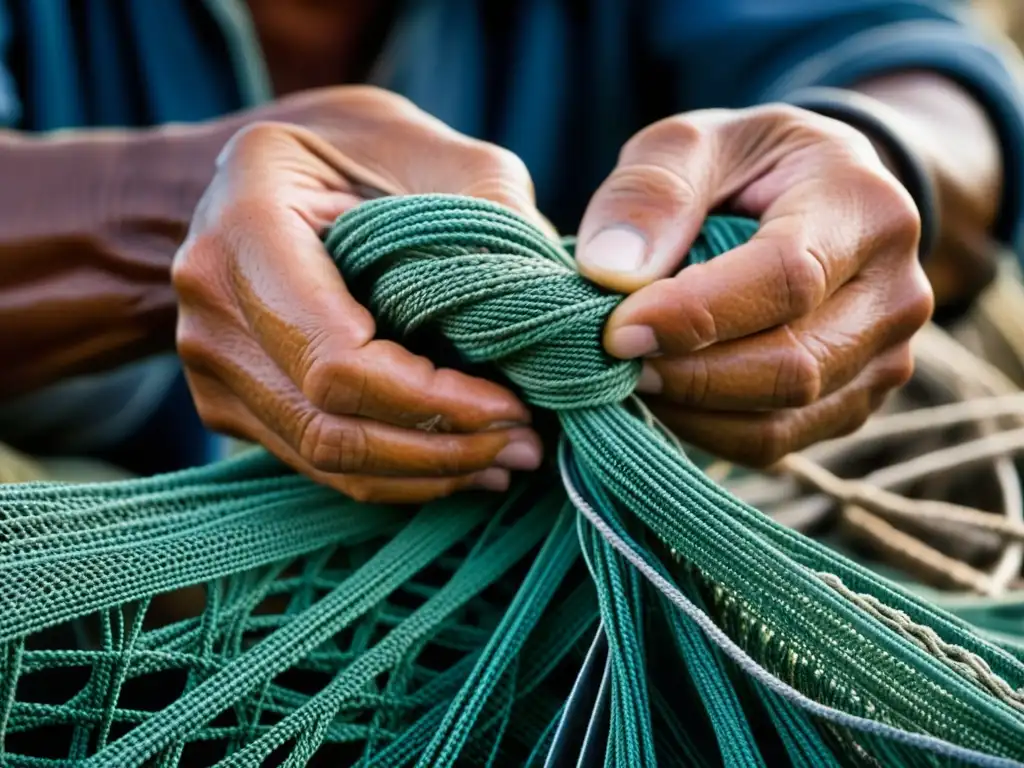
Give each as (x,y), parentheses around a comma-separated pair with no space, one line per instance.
(643,219)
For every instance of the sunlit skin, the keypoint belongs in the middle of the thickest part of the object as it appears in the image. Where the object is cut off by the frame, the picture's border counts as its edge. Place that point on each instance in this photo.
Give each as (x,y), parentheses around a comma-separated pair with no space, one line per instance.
(790,339)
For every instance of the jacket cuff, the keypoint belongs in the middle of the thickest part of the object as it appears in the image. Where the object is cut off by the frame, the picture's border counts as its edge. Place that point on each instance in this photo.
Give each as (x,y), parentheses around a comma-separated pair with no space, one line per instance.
(876,121)
(987,68)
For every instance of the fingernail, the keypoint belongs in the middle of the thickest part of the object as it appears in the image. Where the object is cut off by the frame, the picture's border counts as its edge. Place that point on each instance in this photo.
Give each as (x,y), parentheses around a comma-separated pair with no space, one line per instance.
(631,341)
(519,455)
(618,249)
(492,479)
(649,381)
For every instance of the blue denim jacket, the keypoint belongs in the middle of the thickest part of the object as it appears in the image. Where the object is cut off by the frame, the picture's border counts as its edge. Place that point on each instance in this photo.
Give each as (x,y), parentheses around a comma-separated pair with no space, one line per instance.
(563,83)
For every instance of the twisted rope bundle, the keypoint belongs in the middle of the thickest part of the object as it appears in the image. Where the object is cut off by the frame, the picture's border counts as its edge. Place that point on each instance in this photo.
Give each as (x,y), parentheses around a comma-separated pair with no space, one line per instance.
(433,639)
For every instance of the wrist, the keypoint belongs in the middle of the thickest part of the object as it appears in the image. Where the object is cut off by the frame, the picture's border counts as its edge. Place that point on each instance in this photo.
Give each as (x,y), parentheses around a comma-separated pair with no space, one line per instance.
(935,140)
(894,141)
(155,183)
(951,133)
(89,224)
(151,189)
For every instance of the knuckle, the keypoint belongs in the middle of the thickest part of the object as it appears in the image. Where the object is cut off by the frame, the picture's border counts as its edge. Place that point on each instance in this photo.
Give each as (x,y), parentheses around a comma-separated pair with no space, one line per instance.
(777,122)
(911,302)
(350,446)
(898,368)
(195,347)
(702,327)
(805,279)
(373,101)
(450,459)
(779,113)
(857,143)
(850,142)
(775,440)
(213,407)
(188,277)
(501,191)
(901,376)
(253,138)
(330,446)
(920,304)
(921,309)
(216,419)
(182,269)
(646,187)
(505,163)
(798,380)
(663,137)
(370,93)
(890,207)
(800,128)
(800,122)
(329,383)
(696,384)
(500,175)
(253,134)
(904,222)
(213,417)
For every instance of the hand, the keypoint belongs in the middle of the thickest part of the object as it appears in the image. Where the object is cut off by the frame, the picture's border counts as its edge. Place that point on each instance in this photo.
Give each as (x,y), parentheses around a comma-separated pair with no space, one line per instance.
(953,137)
(792,338)
(275,348)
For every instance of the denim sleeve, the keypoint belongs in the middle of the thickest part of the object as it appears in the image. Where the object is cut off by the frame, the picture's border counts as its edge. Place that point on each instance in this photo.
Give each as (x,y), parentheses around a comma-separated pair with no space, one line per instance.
(741,52)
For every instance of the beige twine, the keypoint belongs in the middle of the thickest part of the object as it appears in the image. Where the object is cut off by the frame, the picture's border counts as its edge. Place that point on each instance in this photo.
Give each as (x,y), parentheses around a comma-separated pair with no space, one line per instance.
(958,425)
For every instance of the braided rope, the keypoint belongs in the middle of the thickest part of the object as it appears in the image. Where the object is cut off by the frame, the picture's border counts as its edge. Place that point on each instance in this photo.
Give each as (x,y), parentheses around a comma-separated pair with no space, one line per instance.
(386,636)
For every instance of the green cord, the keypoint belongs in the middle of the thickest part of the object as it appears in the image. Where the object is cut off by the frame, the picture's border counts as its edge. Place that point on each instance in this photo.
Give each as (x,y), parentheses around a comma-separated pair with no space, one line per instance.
(381,636)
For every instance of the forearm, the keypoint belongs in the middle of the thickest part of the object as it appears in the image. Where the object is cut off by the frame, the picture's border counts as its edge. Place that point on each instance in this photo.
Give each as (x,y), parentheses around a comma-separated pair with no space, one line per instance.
(951,133)
(89,223)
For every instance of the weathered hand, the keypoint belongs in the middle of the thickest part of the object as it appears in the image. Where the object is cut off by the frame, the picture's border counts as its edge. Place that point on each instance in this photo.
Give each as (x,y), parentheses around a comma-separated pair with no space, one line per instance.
(276,350)
(792,338)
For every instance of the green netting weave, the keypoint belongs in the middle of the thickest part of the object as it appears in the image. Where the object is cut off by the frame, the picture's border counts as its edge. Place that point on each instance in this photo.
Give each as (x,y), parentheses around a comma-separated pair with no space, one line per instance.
(453,633)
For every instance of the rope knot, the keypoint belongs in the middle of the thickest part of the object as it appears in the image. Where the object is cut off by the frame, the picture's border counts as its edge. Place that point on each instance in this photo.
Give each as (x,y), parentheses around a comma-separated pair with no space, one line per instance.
(498,289)
(493,285)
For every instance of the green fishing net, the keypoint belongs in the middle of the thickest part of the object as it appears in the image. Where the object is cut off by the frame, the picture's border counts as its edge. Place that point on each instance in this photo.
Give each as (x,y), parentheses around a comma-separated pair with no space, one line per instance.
(617,608)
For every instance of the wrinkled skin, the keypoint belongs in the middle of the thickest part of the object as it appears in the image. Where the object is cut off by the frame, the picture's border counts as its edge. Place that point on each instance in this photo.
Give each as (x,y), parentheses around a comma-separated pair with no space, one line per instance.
(275,348)
(790,339)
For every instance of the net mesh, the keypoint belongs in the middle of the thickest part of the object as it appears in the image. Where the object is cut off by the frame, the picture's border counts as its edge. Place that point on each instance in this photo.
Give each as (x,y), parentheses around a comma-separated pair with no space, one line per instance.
(240,615)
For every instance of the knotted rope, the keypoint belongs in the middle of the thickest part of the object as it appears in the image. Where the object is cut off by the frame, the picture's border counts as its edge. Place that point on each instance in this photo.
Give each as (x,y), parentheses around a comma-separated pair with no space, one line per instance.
(451,635)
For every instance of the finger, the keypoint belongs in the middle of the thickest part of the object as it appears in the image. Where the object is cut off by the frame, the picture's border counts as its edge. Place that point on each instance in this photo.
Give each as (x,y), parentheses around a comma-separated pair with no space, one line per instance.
(825,202)
(792,365)
(493,173)
(344,444)
(390,157)
(811,242)
(760,439)
(304,317)
(642,220)
(233,417)
(461,165)
(385,382)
